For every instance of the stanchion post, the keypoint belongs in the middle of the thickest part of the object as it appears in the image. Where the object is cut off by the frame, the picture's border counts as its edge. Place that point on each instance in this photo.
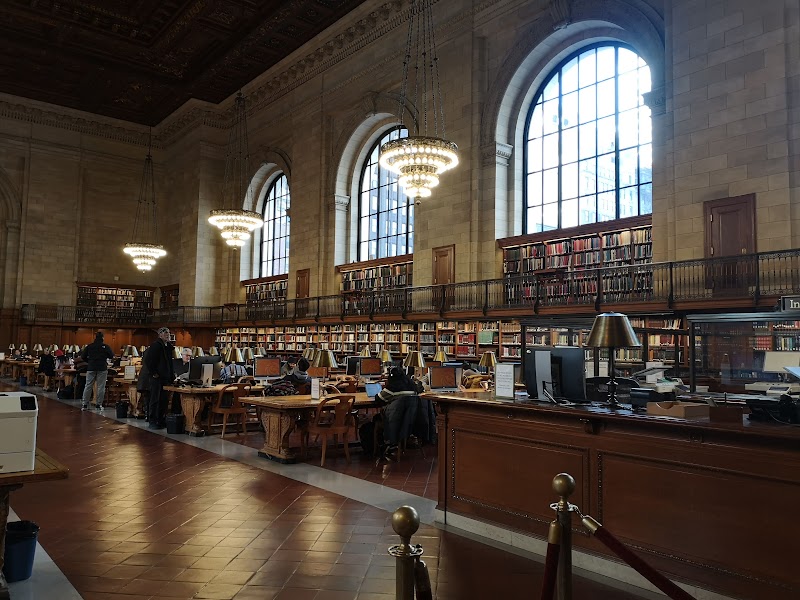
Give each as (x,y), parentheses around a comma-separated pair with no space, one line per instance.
(564,486)
(405,522)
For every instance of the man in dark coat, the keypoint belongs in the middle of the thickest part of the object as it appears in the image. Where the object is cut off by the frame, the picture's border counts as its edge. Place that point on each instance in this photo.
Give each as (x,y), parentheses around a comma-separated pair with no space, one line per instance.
(97,354)
(158,360)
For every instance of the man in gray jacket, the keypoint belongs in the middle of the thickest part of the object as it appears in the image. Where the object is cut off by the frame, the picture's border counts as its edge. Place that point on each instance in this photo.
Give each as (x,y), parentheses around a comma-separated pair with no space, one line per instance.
(96,355)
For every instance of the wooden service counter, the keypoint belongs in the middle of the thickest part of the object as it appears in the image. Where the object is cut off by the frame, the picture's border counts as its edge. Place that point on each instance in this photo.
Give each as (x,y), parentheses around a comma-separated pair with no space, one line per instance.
(710,504)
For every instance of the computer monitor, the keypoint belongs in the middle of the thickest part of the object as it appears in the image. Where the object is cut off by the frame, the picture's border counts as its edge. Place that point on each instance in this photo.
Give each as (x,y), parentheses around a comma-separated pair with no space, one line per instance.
(268,367)
(443,378)
(568,373)
(370,366)
(537,372)
(196,367)
(352,365)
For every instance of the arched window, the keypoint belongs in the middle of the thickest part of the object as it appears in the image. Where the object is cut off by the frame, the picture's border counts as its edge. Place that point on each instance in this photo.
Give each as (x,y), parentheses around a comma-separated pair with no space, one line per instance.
(385,213)
(588,152)
(275,240)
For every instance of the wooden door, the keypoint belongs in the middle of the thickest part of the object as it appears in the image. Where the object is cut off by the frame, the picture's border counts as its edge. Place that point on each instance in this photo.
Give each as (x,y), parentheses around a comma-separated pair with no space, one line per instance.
(730,231)
(444,274)
(302,285)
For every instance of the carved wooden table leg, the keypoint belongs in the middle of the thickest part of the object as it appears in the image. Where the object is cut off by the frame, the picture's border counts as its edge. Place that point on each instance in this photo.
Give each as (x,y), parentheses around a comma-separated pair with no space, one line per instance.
(5,491)
(135,400)
(278,426)
(192,406)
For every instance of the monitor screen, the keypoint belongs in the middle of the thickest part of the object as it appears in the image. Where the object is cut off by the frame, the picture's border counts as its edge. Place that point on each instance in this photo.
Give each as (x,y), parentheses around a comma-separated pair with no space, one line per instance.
(196,369)
(370,366)
(352,365)
(443,377)
(568,372)
(268,367)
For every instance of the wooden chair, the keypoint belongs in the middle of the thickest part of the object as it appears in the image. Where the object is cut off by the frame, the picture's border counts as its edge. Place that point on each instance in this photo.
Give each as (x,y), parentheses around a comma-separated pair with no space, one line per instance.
(342,423)
(227,403)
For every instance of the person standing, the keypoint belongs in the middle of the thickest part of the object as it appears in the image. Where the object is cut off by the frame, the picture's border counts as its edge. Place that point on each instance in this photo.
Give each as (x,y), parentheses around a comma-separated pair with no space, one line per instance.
(47,365)
(97,354)
(158,360)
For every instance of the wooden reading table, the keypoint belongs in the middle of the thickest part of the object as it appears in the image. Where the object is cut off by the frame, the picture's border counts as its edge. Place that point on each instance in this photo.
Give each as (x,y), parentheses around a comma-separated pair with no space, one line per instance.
(137,410)
(279,416)
(194,399)
(45,469)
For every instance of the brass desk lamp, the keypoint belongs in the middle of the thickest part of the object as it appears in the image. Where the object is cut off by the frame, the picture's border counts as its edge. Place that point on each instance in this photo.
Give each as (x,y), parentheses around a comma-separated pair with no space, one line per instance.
(440,356)
(612,331)
(414,359)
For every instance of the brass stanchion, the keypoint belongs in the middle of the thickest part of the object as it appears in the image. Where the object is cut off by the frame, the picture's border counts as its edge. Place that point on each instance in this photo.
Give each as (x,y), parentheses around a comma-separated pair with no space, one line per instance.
(564,486)
(405,522)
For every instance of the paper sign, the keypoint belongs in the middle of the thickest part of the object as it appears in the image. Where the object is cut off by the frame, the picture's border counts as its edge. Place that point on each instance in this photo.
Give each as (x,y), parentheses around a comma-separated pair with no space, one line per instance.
(315,388)
(2,355)
(130,373)
(504,380)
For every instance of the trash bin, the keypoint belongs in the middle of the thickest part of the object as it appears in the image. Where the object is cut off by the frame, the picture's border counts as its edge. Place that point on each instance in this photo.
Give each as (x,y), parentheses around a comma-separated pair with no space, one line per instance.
(122,409)
(21,539)
(176,423)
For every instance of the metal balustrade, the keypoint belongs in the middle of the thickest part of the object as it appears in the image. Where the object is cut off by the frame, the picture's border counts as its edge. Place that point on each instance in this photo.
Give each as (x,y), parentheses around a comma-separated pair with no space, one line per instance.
(748,277)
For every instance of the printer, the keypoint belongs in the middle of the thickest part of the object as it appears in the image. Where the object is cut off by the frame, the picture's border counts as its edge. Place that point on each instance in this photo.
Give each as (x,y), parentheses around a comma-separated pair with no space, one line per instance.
(19,413)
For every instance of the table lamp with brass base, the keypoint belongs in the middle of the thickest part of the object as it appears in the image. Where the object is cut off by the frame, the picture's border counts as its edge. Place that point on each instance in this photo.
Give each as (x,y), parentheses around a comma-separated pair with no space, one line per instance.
(612,331)
(414,360)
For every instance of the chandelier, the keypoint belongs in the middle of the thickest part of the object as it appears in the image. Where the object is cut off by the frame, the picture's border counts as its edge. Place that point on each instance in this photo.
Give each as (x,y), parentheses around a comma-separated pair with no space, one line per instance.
(421,158)
(235,224)
(145,249)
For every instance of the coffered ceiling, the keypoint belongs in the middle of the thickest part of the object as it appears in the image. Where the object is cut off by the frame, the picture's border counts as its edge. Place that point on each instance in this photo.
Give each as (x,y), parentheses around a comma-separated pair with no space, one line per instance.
(139,60)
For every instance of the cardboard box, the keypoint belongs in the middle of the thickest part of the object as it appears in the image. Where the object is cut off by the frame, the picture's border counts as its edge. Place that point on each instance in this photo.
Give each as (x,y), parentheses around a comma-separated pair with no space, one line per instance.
(679,410)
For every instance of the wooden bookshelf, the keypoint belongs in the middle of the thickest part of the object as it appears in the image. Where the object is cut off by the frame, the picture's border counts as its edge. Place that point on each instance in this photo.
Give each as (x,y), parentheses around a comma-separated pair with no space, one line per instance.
(169,296)
(579,252)
(265,289)
(101,295)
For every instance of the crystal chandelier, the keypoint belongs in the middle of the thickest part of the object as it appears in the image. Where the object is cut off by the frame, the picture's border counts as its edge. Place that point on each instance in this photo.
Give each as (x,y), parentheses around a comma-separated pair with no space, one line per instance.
(420,158)
(235,224)
(145,249)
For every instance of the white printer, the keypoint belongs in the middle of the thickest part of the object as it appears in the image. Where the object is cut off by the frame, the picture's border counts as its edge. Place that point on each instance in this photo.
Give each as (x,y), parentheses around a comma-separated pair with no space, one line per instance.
(19,413)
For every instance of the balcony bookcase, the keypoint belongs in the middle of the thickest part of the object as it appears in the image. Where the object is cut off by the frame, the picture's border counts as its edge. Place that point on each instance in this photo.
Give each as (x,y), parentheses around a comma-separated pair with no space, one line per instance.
(169,297)
(116,297)
(357,280)
(549,257)
(265,289)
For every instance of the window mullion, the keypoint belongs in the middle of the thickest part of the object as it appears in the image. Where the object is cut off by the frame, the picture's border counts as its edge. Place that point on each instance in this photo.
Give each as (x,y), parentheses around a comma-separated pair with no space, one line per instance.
(616,132)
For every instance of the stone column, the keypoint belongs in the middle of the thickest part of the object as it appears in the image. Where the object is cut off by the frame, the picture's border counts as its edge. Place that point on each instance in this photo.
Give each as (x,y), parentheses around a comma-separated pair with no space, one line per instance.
(337,206)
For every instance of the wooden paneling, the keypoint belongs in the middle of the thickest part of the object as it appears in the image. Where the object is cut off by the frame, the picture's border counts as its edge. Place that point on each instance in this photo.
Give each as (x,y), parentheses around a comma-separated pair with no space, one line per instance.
(709,504)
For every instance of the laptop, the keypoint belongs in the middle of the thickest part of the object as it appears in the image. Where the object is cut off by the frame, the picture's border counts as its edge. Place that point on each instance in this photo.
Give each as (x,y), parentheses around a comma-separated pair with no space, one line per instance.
(372,389)
(443,379)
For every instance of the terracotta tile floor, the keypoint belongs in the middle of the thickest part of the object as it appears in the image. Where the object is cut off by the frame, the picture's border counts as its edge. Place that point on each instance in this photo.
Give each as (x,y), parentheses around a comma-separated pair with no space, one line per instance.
(414,473)
(143,517)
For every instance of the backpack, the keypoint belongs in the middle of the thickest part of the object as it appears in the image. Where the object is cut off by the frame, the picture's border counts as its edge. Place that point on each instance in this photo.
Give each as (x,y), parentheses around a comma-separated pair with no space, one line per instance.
(66,393)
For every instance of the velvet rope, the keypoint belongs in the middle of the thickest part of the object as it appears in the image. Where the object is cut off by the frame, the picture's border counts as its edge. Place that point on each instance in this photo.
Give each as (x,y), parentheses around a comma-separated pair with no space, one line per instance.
(644,569)
(550,571)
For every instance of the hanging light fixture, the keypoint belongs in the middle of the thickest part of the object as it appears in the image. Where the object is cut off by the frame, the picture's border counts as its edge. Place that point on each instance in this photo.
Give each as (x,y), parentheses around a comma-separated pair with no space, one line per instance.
(235,224)
(144,249)
(420,158)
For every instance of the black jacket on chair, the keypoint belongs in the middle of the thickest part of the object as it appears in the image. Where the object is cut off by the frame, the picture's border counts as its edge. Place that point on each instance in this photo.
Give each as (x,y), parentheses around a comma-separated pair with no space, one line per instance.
(409,415)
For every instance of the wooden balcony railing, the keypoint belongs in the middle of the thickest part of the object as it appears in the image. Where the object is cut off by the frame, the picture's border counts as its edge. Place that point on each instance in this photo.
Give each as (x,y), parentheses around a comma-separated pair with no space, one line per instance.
(748,278)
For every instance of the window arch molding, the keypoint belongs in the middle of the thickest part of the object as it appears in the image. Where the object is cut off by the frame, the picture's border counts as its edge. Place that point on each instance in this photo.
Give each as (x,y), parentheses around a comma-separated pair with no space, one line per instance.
(537,51)
(272,162)
(353,150)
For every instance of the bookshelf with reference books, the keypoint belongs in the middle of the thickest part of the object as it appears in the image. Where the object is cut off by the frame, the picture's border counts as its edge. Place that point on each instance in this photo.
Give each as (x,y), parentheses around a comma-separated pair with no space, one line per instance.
(359,279)
(102,296)
(169,296)
(265,289)
(565,266)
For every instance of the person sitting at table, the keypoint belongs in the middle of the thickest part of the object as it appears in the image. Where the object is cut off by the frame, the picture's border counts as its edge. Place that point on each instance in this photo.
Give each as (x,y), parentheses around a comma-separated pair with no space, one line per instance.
(47,365)
(81,367)
(299,374)
(231,372)
(181,365)
(62,362)
(405,414)
(17,355)
(288,365)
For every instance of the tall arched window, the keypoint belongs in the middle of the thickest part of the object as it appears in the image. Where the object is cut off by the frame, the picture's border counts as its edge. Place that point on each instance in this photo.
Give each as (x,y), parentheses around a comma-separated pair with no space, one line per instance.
(275,240)
(385,213)
(588,152)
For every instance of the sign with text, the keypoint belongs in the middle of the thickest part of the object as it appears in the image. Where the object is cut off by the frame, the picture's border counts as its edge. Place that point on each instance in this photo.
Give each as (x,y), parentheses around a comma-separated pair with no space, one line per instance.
(130,373)
(504,380)
(790,303)
(315,388)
